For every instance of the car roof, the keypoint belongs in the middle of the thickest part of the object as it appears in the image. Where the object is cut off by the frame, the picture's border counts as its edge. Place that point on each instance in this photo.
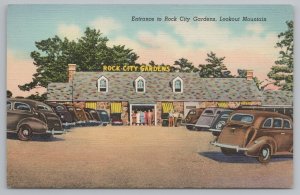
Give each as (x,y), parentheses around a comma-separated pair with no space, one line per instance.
(27,101)
(259,113)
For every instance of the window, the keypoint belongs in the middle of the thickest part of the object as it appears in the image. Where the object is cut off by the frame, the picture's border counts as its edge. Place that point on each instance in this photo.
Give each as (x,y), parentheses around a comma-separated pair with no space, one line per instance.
(102,84)
(225,116)
(60,108)
(277,123)
(242,118)
(21,106)
(267,123)
(177,85)
(286,124)
(140,85)
(8,106)
(43,107)
(209,112)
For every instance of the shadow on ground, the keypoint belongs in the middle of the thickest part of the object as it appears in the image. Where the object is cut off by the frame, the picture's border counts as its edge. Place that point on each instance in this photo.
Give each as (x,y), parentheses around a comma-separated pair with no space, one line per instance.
(239,158)
(36,138)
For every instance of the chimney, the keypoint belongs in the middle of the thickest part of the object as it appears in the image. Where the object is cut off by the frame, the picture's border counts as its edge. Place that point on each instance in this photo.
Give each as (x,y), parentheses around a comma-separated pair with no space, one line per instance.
(249,75)
(71,71)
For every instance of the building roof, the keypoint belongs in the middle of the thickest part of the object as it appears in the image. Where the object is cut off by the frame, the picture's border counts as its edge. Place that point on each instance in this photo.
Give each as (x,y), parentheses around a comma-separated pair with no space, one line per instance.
(158,88)
(277,98)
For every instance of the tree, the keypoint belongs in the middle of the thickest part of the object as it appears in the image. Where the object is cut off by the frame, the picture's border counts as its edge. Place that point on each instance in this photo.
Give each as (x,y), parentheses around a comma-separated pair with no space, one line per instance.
(38,97)
(183,65)
(282,71)
(8,94)
(214,68)
(90,53)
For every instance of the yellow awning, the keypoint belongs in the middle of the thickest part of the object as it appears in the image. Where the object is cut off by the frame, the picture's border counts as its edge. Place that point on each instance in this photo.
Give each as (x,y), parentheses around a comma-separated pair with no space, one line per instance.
(116,107)
(167,107)
(92,105)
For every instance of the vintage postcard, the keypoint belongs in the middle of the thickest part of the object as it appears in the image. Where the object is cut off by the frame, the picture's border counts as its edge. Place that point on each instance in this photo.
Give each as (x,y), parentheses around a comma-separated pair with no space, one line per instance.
(150,96)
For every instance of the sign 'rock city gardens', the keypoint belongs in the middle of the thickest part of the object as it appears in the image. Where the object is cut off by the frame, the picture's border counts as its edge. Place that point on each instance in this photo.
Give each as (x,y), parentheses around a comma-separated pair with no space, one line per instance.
(136,68)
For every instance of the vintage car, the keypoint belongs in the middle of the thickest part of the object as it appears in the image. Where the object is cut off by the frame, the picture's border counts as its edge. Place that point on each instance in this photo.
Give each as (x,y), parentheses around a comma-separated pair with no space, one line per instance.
(78,115)
(207,118)
(258,134)
(28,117)
(65,116)
(192,117)
(93,117)
(104,117)
(220,122)
(116,119)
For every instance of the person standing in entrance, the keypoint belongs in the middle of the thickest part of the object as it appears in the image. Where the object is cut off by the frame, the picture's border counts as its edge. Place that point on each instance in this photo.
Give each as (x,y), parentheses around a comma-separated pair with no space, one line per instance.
(175,116)
(142,118)
(171,118)
(134,118)
(146,117)
(149,117)
(138,116)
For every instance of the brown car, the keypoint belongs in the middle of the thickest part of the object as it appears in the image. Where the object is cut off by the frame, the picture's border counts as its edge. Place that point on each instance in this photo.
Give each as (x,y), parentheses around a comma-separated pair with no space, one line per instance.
(192,118)
(28,117)
(78,114)
(258,134)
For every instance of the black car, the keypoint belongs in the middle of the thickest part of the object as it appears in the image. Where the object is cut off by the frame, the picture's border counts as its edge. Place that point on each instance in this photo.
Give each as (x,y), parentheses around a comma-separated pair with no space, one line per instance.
(65,116)
(104,117)
(220,122)
(28,117)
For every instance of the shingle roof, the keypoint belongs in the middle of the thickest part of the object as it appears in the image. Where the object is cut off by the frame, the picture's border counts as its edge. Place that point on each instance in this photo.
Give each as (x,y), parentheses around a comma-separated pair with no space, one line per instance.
(158,88)
(277,98)
(59,92)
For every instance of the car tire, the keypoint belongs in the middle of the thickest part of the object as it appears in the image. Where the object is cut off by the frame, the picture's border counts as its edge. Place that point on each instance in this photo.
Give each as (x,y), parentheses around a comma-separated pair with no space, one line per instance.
(105,124)
(24,133)
(264,155)
(189,127)
(227,151)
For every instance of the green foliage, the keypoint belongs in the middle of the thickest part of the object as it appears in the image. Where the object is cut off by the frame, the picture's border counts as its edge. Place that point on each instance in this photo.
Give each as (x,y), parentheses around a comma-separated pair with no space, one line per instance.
(38,97)
(282,71)
(183,65)
(8,94)
(89,52)
(214,68)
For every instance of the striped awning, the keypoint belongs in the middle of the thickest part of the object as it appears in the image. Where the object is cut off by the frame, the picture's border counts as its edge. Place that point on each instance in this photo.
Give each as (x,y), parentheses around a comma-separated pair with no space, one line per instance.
(167,107)
(92,105)
(116,107)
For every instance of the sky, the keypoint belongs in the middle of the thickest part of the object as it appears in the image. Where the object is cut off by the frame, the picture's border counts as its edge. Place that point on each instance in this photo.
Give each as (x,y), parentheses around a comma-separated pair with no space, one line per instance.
(245,44)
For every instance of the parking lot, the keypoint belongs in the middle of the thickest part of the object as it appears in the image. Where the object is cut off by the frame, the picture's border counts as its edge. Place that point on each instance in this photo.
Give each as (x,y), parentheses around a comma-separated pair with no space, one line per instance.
(137,157)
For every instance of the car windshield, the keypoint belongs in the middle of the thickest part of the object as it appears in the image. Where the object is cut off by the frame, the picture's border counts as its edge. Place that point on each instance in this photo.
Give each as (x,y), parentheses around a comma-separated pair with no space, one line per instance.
(43,107)
(242,118)
(209,112)
(225,115)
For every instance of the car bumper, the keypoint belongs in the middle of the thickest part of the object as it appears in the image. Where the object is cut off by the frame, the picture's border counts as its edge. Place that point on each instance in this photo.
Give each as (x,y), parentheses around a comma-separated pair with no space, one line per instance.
(69,124)
(55,132)
(237,148)
(215,130)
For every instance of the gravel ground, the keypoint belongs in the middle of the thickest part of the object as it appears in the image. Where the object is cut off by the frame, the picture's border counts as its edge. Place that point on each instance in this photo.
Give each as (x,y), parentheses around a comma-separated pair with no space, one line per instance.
(137,157)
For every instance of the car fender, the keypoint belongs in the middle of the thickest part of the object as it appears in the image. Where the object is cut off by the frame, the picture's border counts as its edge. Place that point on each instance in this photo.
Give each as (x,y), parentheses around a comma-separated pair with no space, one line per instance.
(255,146)
(36,125)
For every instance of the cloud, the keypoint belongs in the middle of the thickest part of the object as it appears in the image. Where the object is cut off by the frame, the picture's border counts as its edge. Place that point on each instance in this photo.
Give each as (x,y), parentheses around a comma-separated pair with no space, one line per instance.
(106,25)
(71,31)
(248,51)
(19,72)
(256,28)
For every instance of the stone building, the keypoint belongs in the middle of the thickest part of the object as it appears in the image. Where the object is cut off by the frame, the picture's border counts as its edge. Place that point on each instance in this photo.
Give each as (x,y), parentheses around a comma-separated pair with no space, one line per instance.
(122,93)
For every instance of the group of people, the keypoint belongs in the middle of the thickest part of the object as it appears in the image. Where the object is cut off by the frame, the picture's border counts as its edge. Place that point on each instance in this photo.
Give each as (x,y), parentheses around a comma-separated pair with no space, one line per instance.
(174,117)
(142,118)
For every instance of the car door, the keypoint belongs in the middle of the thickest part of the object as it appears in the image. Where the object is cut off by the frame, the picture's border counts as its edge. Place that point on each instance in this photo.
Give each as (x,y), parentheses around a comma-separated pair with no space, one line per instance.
(286,136)
(281,135)
(18,111)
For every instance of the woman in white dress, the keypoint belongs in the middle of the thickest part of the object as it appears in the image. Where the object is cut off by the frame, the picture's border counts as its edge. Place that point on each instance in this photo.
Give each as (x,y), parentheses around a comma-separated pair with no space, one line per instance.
(138,118)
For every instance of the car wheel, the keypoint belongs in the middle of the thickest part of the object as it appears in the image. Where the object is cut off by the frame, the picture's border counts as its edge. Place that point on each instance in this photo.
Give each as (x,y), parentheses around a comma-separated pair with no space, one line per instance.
(105,124)
(227,151)
(264,154)
(24,133)
(189,127)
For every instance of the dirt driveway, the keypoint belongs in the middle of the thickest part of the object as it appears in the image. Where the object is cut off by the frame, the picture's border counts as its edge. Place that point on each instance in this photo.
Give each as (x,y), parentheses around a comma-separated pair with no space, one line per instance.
(137,157)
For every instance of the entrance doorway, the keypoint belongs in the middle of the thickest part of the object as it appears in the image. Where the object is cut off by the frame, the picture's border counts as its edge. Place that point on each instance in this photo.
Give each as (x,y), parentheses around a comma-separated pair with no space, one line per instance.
(138,108)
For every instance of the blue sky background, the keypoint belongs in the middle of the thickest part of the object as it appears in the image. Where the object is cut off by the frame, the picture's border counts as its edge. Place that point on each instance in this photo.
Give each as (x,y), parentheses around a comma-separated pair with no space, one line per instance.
(244,44)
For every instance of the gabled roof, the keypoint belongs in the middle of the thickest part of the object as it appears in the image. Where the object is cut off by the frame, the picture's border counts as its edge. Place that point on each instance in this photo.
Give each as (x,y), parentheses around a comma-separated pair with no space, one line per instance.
(158,88)
(277,98)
